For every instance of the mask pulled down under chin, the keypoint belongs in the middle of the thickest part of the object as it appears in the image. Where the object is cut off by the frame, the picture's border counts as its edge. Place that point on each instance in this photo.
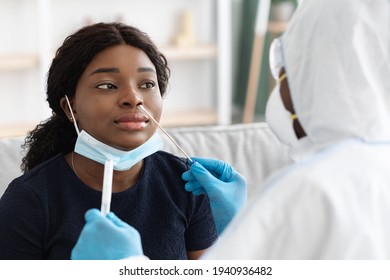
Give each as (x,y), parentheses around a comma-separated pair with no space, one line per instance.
(88,146)
(279,119)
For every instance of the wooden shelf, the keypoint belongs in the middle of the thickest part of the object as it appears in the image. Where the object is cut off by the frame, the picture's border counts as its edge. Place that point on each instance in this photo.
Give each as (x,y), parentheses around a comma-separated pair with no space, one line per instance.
(189,118)
(173,53)
(15,129)
(26,61)
(18,61)
(277,26)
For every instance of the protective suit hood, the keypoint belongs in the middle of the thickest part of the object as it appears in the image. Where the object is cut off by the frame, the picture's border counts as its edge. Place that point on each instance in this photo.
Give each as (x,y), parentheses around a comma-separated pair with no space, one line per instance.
(340,80)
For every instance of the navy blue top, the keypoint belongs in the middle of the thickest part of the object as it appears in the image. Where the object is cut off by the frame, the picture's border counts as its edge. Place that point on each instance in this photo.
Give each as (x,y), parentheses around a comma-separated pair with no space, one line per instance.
(42,212)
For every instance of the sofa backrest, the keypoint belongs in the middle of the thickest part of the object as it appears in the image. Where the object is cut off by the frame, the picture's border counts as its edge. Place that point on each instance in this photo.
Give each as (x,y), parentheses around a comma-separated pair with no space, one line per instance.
(10,160)
(251,149)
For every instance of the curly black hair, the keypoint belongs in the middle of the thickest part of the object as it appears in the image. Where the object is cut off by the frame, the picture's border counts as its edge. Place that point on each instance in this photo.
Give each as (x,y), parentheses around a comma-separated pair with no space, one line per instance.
(57,134)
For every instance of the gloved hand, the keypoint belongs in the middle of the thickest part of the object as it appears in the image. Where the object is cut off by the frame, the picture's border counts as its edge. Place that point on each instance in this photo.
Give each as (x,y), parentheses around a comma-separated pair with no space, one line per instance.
(106,238)
(226,188)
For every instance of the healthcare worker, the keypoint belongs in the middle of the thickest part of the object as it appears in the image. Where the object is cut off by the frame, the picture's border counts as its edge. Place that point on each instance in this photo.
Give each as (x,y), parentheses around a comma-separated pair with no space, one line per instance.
(331,105)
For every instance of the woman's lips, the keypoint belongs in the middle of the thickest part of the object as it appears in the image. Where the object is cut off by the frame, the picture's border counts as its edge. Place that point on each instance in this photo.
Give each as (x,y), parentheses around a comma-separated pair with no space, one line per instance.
(132,121)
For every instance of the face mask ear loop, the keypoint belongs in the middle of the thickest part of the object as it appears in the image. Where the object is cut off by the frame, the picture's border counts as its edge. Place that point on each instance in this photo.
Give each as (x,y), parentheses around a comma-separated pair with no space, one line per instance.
(71,111)
(280,80)
(284,76)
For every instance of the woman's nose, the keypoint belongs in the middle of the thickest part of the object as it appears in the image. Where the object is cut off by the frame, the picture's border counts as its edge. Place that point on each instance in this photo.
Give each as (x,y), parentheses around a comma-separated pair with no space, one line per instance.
(131,98)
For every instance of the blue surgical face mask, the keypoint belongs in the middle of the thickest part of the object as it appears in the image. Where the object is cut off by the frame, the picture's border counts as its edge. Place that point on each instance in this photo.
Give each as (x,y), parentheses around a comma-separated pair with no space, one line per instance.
(92,148)
(88,146)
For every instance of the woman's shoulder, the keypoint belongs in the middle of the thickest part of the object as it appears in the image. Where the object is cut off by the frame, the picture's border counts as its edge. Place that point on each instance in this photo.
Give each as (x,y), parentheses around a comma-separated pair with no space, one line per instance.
(167,159)
(167,170)
(35,183)
(50,167)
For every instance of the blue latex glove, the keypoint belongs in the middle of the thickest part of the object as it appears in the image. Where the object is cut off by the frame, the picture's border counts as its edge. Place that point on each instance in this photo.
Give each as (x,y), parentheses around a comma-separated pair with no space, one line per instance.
(226,188)
(106,238)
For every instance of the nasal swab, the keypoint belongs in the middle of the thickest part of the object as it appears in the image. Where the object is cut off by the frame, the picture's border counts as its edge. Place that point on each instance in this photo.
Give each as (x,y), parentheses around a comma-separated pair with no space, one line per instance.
(166,133)
(107,187)
(107,175)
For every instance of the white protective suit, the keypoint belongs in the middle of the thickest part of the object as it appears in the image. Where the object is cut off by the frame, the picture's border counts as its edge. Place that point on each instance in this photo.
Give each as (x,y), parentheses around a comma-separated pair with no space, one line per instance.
(334,202)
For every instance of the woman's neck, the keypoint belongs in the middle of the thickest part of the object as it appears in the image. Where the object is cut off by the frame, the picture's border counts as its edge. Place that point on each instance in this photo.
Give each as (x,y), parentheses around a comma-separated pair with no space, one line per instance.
(91,173)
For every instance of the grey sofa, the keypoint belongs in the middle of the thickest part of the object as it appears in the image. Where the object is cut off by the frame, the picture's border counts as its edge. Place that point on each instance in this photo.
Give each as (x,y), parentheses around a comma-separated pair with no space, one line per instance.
(251,148)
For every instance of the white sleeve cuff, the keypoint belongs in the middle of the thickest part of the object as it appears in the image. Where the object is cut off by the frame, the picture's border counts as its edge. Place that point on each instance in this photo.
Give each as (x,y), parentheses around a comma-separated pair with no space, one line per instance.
(140,257)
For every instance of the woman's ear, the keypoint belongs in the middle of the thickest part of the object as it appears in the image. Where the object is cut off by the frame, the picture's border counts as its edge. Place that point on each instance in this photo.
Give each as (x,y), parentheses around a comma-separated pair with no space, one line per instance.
(66,105)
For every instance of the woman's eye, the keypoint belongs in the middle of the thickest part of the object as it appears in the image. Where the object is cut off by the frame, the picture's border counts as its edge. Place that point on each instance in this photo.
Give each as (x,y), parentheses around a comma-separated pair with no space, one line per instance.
(147,85)
(106,86)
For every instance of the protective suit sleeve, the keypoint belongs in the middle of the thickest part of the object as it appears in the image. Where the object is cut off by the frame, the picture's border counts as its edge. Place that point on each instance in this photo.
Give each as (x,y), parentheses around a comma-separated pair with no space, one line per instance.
(225,187)
(106,238)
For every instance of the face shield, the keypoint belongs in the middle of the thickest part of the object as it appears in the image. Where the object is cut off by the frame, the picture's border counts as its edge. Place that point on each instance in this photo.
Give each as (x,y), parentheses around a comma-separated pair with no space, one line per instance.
(275,58)
(337,58)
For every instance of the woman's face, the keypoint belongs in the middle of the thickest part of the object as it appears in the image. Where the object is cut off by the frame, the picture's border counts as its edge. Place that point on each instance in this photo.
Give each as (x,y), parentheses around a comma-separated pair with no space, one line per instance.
(108,92)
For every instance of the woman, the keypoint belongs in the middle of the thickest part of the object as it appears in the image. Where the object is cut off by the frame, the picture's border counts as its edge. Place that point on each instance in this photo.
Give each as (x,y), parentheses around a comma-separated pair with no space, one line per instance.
(106,71)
